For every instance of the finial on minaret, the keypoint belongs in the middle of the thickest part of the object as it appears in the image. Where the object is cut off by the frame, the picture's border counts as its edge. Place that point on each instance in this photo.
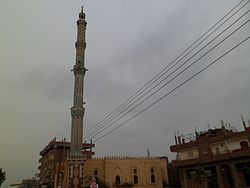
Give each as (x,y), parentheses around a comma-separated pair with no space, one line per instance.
(81,14)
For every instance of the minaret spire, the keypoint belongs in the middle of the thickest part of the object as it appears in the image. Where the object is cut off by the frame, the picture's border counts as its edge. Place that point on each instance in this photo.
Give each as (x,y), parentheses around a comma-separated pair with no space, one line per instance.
(77,111)
(76,159)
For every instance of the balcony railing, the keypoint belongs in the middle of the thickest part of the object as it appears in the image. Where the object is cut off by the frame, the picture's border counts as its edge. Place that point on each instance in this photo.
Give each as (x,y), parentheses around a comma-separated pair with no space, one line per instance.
(214,158)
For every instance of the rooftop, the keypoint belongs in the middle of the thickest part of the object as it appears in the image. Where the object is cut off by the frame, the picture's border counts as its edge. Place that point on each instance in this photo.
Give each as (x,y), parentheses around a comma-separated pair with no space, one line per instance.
(63,143)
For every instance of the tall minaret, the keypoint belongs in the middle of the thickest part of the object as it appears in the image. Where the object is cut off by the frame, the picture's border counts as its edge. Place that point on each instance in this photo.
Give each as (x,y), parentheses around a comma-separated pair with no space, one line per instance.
(75,162)
(77,111)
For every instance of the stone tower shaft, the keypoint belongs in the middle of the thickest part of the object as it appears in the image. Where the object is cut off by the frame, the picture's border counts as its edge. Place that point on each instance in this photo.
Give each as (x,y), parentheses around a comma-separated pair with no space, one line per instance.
(77,111)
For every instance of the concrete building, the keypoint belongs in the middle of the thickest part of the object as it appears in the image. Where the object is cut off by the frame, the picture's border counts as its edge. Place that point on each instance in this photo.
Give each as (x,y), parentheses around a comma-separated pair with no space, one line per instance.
(214,158)
(53,161)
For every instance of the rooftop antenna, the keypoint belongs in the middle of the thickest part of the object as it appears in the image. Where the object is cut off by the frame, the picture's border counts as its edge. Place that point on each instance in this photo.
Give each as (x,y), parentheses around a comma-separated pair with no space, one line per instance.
(243,122)
(208,125)
(222,124)
(148,152)
(196,133)
(175,137)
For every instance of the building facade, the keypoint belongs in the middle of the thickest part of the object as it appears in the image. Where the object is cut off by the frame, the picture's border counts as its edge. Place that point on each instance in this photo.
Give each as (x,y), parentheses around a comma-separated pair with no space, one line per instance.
(214,158)
(53,161)
(140,172)
(149,172)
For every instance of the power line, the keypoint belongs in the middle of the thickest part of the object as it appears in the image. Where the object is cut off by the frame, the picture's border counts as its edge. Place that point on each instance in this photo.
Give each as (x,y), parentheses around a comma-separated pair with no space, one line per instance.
(123,110)
(173,61)
(161,73)
(103,128)
(179,86)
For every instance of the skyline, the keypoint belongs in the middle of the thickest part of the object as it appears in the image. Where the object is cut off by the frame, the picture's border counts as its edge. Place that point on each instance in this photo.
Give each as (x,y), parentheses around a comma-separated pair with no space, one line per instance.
(123,52)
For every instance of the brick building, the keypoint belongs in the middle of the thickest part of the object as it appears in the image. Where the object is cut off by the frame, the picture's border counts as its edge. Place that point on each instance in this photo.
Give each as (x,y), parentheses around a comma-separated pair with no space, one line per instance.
(214,158)
(53,160)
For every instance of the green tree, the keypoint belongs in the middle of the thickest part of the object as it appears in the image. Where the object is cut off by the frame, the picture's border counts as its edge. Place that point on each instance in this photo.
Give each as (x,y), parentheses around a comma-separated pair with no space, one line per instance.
(2,177)
(200,176)
(102,184)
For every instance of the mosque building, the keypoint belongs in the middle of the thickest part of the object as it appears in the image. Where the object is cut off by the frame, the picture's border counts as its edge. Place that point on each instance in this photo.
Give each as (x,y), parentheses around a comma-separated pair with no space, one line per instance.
(72,165)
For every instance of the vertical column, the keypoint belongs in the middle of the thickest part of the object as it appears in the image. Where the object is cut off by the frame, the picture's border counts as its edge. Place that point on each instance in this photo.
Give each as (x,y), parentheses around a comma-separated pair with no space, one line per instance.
(219,178)
(184,178)
(234,175)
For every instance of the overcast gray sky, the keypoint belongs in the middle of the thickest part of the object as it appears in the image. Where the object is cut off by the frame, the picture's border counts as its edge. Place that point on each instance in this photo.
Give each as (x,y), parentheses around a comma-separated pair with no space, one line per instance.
(128,42)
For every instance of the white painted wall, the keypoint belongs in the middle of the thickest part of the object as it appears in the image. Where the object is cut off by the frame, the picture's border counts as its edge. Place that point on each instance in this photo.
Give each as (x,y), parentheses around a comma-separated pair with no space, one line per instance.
(234,144)
(190,153)
(218,148)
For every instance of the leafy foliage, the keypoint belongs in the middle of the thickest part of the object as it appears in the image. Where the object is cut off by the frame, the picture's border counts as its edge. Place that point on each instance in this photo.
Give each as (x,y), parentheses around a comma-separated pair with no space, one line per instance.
(173,176)
(102,184)
(200,175)
(2,177)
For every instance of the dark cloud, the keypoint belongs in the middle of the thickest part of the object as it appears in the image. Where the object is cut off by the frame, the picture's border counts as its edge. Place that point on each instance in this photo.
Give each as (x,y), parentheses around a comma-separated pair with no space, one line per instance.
(128,42)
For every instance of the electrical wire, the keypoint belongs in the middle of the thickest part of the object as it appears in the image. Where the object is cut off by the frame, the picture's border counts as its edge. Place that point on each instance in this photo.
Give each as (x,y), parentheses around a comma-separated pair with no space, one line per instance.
(100,130)
(179,86)
(103,128)
(161,73)
(173,72)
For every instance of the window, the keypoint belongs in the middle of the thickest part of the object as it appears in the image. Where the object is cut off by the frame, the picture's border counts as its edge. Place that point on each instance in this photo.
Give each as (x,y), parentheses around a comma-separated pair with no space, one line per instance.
(244,145)
(95,172)
(135,176)
(117,180)
(135,179)
(152,178)
(217,150)
(191,173)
